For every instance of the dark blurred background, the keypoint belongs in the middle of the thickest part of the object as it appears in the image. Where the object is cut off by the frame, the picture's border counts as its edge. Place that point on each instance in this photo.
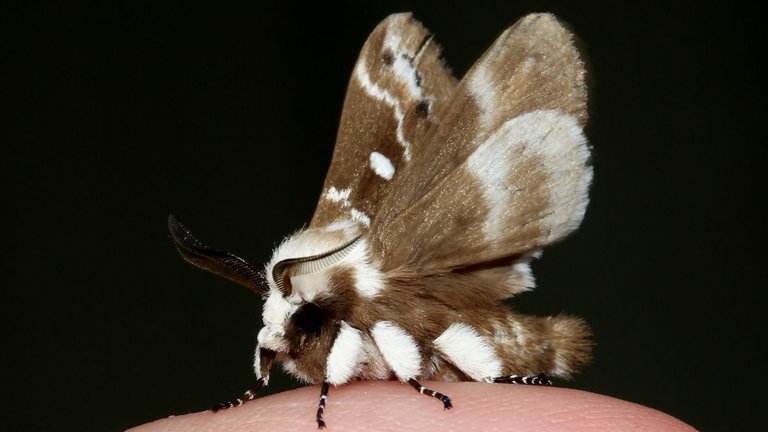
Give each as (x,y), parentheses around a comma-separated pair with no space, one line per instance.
(119,113)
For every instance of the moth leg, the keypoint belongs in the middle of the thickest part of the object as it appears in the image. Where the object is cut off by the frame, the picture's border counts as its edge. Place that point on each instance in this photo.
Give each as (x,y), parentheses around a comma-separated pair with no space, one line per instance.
(437,395)
(540,379)
(321,405)
(247,396)
(263,364)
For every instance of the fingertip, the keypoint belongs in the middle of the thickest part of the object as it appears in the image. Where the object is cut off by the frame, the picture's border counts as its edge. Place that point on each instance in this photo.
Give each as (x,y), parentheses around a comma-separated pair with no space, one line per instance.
(393,406)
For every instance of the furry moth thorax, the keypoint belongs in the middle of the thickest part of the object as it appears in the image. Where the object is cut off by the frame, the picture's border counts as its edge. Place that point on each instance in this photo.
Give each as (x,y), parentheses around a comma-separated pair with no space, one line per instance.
(439,194)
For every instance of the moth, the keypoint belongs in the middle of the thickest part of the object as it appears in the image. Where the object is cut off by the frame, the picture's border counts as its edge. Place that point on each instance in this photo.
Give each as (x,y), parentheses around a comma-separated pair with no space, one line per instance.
(439,194)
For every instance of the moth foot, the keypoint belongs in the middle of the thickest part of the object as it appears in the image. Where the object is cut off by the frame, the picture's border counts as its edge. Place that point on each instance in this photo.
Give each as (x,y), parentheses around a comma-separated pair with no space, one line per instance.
(429,392)
(227,405)
(446,402)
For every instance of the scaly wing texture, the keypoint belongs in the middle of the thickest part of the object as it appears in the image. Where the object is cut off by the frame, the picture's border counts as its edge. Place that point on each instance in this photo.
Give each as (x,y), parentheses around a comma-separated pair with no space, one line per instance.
(506,170)
(399,88)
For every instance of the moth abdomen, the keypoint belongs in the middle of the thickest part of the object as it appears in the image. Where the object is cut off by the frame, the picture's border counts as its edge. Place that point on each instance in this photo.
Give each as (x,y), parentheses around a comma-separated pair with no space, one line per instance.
(556,346)
(461,336)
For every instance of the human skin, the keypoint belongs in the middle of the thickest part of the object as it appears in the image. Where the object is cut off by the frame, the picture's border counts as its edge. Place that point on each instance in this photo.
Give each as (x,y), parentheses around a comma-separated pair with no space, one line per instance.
(393,406)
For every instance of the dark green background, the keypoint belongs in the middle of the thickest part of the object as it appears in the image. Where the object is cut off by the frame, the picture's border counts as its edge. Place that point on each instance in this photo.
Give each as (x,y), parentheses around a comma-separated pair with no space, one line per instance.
(117,114)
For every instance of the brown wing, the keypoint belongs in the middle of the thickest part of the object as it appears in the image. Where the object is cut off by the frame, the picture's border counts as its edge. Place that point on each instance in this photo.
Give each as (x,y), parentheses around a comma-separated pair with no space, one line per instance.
(506,171)
(397,91)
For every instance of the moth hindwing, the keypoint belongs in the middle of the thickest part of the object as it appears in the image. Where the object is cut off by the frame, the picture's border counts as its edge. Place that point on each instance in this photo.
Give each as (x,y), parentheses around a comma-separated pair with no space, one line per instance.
(439,194)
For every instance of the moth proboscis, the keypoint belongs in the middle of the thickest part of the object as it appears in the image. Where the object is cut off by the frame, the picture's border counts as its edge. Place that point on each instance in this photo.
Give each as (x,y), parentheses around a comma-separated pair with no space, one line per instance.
(439,194)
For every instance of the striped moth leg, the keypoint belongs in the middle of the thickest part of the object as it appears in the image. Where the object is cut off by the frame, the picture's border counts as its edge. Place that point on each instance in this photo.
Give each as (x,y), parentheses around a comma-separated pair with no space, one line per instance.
(248,395)
(510,379)
(265,360)
(540,379)
(321,406)
(437,395)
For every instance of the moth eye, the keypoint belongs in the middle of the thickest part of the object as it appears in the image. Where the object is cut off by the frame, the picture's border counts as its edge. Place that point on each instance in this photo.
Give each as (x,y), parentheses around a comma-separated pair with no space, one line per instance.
(309,318)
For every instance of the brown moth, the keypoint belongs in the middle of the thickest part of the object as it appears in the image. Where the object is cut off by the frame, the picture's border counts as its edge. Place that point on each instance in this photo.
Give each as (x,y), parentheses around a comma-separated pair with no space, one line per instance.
(439,194)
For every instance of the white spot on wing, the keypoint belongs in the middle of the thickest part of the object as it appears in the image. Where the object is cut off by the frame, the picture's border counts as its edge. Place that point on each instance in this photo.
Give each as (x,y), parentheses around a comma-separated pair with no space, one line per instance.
(344,358)
(382,166)
(398,349)
(469,351)
(338,196)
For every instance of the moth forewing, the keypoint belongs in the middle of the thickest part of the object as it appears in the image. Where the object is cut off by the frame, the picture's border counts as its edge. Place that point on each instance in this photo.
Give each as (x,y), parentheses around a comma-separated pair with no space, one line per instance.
(398,89)
(438,196)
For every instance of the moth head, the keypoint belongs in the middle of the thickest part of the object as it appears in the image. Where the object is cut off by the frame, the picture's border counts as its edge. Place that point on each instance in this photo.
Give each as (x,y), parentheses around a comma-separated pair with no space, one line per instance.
(303,280)
(303,306)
